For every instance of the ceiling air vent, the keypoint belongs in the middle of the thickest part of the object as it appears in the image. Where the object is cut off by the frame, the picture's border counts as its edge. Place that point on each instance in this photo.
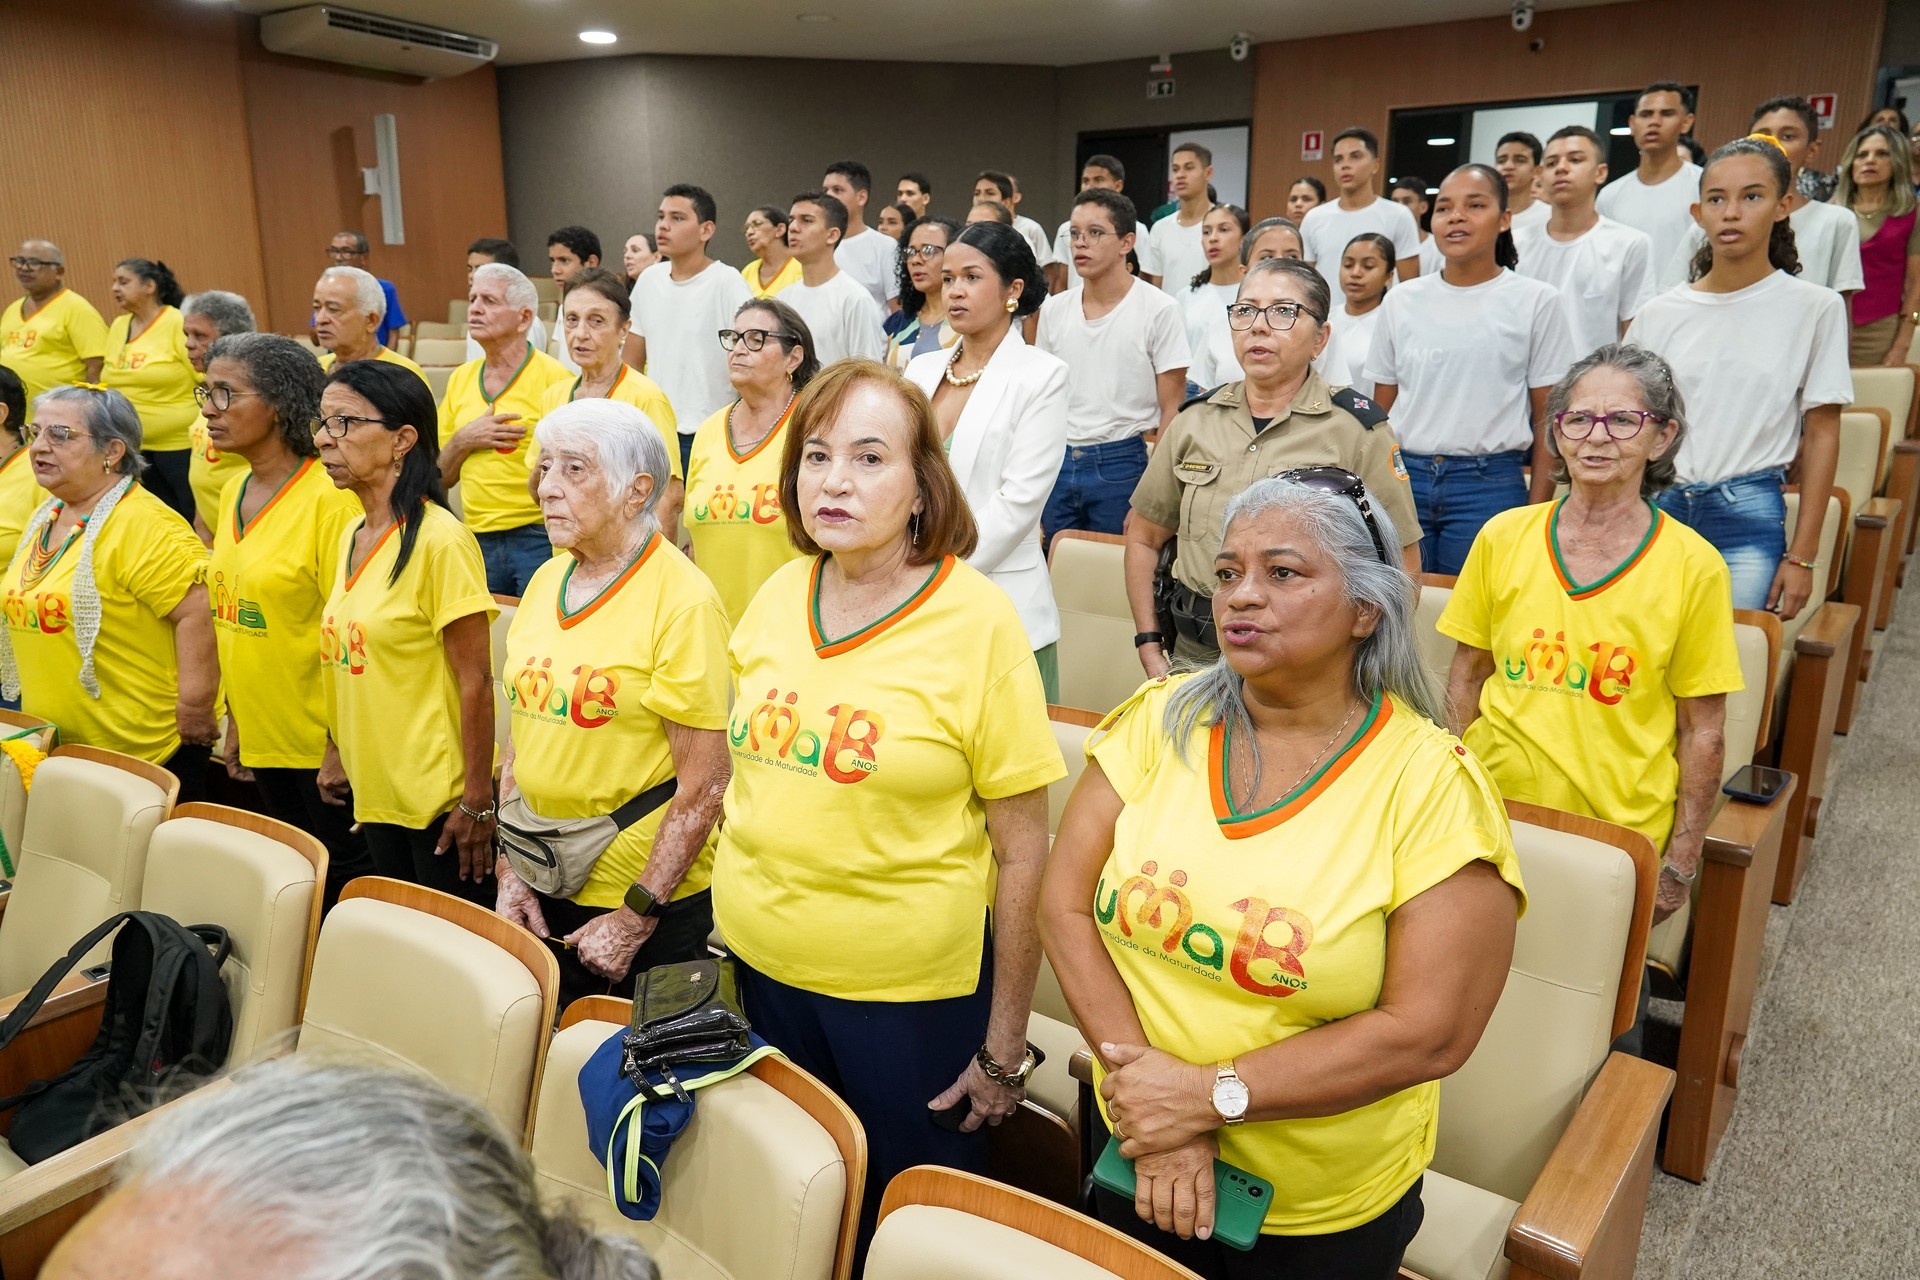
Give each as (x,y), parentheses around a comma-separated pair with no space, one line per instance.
(369,40)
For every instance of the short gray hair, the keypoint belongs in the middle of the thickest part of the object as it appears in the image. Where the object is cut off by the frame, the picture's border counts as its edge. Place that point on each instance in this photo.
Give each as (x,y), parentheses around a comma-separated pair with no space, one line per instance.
(228,311)
(627,443)
(1385,663)
(1658,390)
(520,291)
(109,416)
(371,1172)
(367,293)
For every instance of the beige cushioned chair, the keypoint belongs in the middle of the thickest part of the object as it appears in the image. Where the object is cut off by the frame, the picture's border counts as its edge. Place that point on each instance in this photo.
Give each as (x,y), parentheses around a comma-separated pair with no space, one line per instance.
(440,352)
(1099,668)
(1894,390)
(1868,564)
(765,1184)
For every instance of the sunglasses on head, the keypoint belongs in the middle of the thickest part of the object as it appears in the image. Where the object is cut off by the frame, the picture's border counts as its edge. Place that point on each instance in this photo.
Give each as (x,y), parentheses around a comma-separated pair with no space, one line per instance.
(1348,485)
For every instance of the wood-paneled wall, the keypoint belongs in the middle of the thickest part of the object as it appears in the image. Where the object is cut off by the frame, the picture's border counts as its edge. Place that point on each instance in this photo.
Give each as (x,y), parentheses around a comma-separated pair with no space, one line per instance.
(1740,53)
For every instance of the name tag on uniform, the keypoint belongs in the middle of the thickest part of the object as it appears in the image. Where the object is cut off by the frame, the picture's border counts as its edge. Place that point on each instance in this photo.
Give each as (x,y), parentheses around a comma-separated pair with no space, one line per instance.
(1196,471)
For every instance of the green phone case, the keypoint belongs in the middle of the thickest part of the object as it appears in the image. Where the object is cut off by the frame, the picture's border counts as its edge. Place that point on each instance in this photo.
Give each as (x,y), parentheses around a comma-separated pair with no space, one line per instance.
(1240,1199)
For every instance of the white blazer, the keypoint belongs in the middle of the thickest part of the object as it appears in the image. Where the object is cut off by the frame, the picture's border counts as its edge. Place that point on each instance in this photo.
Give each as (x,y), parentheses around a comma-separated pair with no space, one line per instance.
(1006,452)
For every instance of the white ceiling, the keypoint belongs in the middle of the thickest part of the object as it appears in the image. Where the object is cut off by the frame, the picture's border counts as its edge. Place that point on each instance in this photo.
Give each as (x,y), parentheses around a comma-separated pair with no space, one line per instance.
(1037,32)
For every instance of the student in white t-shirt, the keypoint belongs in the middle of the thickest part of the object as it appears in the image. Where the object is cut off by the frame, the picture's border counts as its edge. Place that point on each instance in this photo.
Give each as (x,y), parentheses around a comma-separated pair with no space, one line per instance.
(994,185)
(1223,234)
(1329,228)
(1463,361)
(1306,192)
(1366,269)
(1761,359)
(1517,156)
(570,250)
(680,304)
(1603,269)
(1412,193)
(843,316)
(870,257)
(1170,252)
(1100,173)
(1657,197)
(1126,355)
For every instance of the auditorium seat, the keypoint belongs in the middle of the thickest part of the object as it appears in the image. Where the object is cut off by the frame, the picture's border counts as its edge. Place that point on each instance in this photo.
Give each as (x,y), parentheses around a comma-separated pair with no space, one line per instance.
(1099,668)
(502,715)
(1072,726)
(1869,560)
(13,790)
(546,288)
(437,376)
(941,1224)
(1894,388)
(457,313)
(766,1180)
(434,329)
(440,351)
(1436,650)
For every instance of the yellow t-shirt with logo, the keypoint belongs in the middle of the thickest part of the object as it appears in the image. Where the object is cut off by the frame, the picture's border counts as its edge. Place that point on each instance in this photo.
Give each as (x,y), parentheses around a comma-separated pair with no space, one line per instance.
(268,581)
(493,482)
(393,706)
(588,691)
(789,274)
(145,561)
(733,510)
(854,858)
(387,356)
(629,387)
(1235,931)
(209,471)
(51,347)
(20,496)
(154,373)
(1580,711)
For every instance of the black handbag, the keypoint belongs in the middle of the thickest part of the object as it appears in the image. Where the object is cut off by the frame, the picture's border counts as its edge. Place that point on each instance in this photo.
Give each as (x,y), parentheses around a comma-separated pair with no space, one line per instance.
(683,1013)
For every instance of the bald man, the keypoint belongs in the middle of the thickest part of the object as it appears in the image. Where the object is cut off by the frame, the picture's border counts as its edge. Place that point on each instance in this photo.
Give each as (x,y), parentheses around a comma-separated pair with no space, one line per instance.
(52,336)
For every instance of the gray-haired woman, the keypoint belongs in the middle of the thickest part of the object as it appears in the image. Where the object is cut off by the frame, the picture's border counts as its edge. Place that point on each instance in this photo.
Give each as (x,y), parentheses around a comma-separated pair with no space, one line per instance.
(1282,899)
(312,1171)
(107,633)
(617,678)
(205,318)
(1596,632)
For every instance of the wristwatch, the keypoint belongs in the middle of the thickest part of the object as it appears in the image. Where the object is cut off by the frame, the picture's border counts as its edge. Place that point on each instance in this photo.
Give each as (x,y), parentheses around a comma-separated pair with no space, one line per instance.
(1230,1094)
(1674,873)
(641,902)
(1011,1077)
(1149,637)
(478,815)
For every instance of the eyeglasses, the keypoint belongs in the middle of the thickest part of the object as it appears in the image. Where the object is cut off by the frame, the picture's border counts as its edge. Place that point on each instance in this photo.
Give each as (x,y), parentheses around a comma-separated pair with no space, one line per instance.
(1280,316)
(335,251)
(58,433)
(1091,236)
(29,264)
(753,338)
(1348,485)
(338,425)
(927,252)
(220,398)
(1621,424)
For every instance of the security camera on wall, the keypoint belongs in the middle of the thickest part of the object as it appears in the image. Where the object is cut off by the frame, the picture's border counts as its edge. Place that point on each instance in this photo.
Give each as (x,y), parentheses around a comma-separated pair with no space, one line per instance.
(1522,15)
(1240,47)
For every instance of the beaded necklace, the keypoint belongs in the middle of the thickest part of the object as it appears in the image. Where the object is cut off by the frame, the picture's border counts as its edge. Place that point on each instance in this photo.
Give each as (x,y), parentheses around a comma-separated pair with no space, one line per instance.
(41,555)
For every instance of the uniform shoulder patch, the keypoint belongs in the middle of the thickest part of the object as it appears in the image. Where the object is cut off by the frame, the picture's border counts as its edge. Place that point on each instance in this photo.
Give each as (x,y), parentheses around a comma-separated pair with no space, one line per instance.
(1362,407)
(1202,398)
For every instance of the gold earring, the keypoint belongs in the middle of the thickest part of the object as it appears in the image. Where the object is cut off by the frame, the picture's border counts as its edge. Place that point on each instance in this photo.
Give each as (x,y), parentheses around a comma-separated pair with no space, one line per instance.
(1013,305)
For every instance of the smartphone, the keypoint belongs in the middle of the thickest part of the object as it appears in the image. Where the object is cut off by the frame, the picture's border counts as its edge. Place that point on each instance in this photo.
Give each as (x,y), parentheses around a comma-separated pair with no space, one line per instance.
(1756,783)
(1240,1199)
(954,1116)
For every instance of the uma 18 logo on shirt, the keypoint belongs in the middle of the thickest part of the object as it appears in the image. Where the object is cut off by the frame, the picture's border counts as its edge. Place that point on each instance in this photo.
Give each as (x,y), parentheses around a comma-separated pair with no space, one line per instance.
(1548,666)
(588,702)
(348,653)
(47,612)
(230,608)
(1158,920)
(724,504)
(771,731)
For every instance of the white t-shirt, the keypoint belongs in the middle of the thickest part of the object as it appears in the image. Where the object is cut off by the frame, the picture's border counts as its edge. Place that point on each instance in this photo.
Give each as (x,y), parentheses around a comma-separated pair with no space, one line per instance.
(537,335)
(1328,229)
(1827,237)
(1209,338)
(1063,252)
(1465,359)
(1749,365)
(843,316)
(1534,215)
(1036,237)
(1432,261)
(1172,252)
(1604,277)
(1343,362)
(679,320)
(872,258)
(1112,362)
(1663,211)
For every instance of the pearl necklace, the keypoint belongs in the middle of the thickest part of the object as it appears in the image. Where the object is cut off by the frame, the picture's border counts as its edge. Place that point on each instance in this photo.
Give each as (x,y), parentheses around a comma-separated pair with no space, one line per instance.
(970,379)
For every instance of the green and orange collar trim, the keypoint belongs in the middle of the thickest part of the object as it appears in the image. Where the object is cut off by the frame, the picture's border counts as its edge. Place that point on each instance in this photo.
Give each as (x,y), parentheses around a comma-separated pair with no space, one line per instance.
(1578,591)
(1235,825)
(834,648)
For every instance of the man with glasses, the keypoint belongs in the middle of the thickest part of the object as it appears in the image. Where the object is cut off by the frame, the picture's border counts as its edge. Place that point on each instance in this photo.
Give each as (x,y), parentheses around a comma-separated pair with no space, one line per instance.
(52,336)
(350,249)
(1125,345)
(1100,173)
(347,306)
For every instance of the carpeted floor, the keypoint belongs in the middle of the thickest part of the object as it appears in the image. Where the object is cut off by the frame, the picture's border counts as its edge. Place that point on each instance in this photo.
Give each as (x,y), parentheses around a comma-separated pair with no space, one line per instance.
(1819,1173)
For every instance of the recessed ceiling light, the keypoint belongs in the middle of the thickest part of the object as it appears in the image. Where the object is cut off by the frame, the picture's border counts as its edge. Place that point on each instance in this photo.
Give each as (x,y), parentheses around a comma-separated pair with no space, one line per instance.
(598,37)
(1622,132)
(816,17)
(1439,142)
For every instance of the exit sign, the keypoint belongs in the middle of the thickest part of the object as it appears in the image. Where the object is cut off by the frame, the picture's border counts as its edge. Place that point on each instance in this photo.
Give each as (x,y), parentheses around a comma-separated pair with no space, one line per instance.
(1160,88)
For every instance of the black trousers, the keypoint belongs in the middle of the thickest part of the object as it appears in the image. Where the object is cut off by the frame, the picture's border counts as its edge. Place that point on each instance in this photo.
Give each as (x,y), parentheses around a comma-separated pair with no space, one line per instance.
(402,853)
(189,764)
(680,935)
(1370,1251)
(166,479)
(292,796)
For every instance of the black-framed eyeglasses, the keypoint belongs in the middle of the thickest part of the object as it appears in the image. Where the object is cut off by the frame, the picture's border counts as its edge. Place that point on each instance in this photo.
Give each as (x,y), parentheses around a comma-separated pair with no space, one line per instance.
(753,338)
(335,251)
(220,398)
(57,433)
(1348,485)
(337,425)
(928,252)
(1620,424)
(1280,316)
(29,264)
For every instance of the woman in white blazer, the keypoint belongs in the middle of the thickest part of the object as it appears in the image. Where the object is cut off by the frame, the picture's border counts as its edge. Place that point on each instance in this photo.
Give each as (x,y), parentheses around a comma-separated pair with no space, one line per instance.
(1002,408)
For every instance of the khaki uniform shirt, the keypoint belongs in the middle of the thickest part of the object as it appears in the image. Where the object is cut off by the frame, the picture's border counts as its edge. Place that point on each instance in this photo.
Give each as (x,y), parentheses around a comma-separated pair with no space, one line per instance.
(1210,452)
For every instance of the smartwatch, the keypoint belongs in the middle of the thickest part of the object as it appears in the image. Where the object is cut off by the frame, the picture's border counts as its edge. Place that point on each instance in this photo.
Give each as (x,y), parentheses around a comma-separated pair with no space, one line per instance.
(641,902)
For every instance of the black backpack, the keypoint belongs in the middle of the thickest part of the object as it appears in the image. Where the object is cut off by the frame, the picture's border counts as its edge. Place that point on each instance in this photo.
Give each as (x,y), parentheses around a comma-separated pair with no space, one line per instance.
(166,1027)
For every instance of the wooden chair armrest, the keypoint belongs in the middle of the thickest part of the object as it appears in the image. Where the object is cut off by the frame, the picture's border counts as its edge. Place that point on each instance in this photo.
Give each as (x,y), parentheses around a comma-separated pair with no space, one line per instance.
(1825,634)
(1584,1214)
(75,992)
(1741,827)
(1875,513)
(1080,1066)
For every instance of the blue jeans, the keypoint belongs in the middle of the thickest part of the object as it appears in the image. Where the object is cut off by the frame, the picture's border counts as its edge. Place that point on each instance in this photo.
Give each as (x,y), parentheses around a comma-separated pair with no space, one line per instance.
(1745,518)
(512,555)
(1455,496)
(1095,488)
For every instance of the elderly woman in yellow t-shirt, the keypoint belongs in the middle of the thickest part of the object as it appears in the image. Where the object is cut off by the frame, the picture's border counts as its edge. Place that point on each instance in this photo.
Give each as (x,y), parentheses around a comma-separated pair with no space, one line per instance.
(1596,646)
(890,743)
(147,362)
(616,677)
(1281,901)
(107,633)
(205,318)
